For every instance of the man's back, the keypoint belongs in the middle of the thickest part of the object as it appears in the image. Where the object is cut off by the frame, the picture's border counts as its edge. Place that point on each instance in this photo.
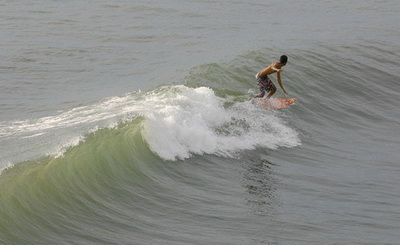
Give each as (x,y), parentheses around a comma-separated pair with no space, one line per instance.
(269,70)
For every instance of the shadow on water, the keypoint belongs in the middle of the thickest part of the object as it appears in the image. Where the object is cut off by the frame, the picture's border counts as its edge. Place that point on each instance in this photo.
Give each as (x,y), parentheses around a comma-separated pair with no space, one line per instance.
(261,186)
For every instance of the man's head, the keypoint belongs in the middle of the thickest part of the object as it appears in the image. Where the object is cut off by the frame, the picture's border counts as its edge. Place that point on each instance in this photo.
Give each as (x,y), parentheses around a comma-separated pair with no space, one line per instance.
(283,59)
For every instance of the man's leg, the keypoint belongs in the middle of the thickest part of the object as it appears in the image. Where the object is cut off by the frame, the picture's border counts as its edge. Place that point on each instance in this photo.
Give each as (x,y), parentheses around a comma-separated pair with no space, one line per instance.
(271,92)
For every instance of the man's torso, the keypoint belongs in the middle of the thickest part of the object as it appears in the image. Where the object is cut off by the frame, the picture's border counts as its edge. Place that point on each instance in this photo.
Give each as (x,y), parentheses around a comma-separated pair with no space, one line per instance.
(267,71)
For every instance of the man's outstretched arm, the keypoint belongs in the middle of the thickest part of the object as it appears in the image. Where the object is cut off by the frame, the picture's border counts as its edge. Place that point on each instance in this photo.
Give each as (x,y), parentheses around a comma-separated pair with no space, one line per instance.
(278,77)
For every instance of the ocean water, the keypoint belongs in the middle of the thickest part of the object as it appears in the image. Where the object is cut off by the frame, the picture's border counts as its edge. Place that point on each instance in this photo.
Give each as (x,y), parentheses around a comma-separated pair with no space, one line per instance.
(130,122)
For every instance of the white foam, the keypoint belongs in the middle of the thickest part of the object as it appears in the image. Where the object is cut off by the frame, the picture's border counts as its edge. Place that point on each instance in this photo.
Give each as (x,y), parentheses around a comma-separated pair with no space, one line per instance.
(52,135)
(186,121)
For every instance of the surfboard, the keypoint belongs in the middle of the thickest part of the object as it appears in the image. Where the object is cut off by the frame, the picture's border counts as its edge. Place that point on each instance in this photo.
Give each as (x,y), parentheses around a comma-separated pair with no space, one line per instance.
(274,103)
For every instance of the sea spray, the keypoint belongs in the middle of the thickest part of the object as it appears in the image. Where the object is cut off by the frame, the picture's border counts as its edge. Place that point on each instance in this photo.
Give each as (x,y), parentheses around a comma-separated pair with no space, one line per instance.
(183,121)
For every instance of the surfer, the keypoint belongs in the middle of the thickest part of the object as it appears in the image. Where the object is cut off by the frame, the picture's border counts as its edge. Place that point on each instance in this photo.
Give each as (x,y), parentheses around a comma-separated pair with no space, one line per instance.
(266,85)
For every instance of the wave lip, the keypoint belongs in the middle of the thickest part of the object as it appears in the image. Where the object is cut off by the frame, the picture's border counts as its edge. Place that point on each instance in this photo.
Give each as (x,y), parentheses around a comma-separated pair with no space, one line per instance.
(178,121)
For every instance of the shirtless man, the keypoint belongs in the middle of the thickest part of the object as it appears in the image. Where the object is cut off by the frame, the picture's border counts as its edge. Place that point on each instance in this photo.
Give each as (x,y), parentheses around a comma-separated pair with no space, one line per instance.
(265,83)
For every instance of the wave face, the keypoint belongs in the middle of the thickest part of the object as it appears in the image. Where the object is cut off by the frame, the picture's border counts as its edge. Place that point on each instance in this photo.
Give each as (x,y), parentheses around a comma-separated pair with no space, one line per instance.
(85,156)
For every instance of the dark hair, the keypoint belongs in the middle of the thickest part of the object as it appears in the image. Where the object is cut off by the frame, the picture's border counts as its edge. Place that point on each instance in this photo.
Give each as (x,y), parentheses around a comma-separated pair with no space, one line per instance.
(283,59)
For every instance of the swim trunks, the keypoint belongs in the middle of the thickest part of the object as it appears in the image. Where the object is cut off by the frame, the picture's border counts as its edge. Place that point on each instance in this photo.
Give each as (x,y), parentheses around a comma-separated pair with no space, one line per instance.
(265,84)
